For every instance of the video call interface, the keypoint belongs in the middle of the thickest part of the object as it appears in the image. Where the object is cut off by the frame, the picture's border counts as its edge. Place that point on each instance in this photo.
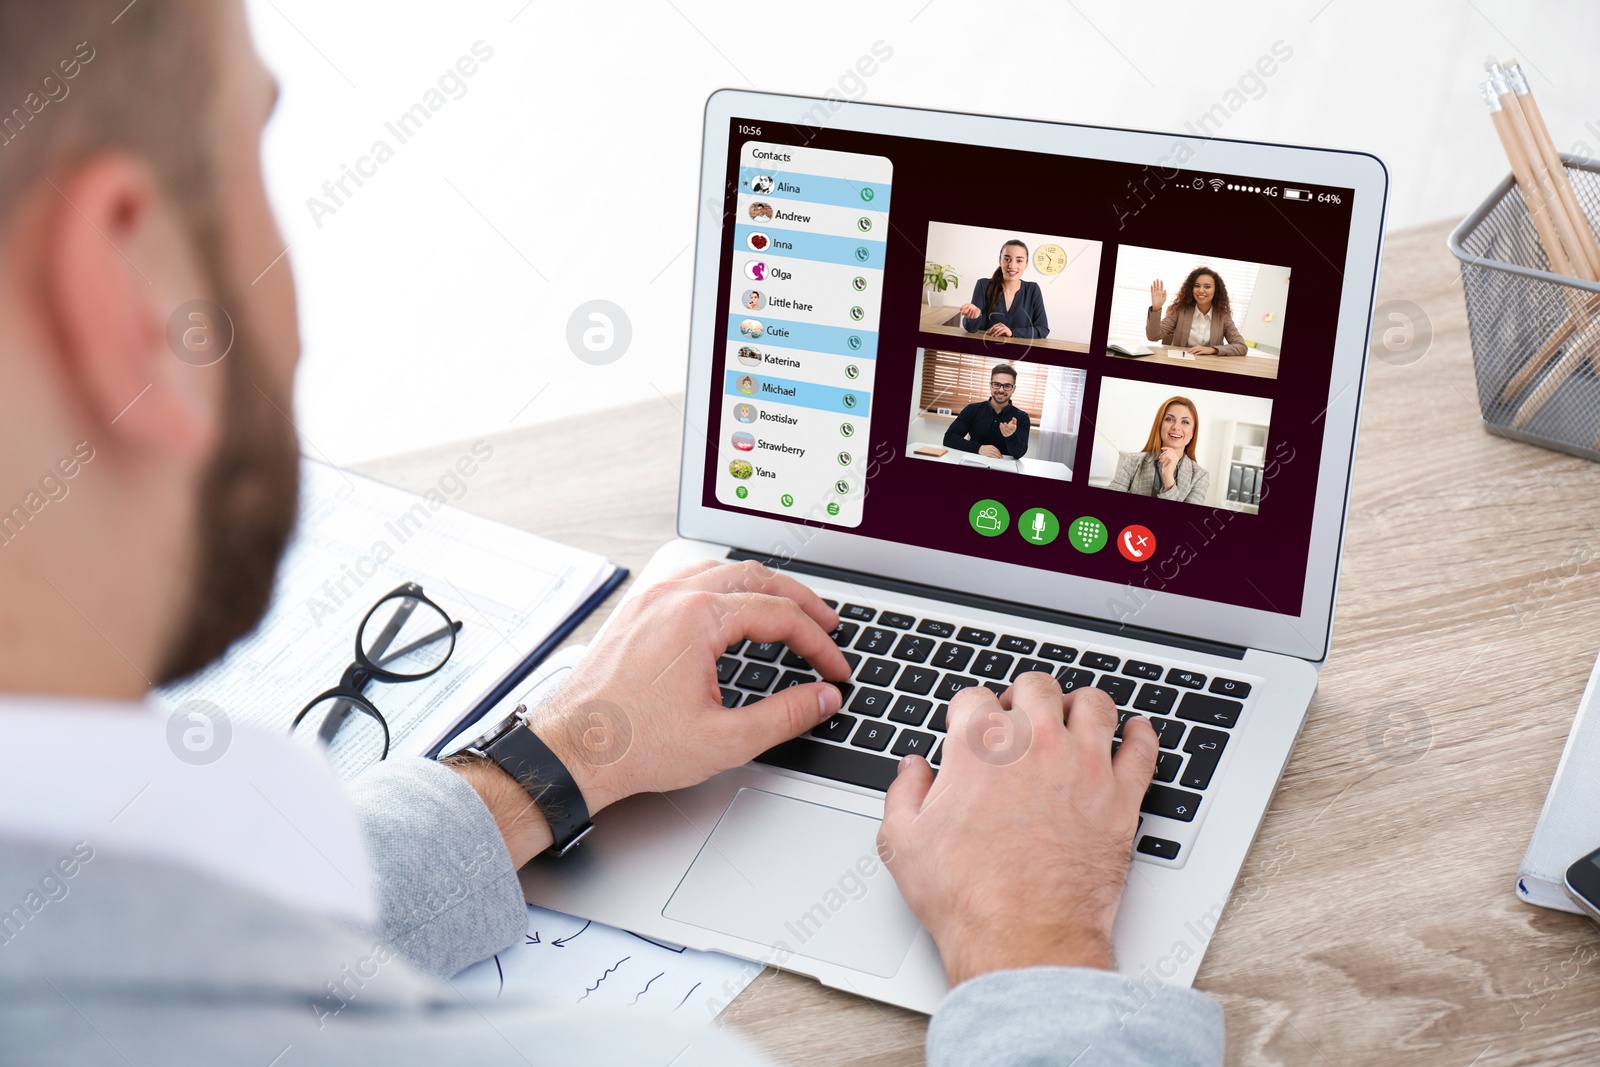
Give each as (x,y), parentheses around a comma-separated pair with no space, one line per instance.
(1088,367)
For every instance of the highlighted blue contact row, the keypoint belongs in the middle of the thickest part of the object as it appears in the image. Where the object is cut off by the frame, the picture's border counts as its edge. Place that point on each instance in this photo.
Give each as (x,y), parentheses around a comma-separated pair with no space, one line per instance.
(840,192)
(758,387)
(782,333)
(822,247)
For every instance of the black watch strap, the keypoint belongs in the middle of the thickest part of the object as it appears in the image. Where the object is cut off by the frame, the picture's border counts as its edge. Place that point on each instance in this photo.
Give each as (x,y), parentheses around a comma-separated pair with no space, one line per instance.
(521,754)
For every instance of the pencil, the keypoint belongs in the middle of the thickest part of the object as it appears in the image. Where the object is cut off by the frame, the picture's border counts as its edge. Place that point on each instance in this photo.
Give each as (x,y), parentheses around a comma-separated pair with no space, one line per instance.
(1527,183)
(1582,348)
(1538,214)
(1566,239)
(1553,163)
(1573,253)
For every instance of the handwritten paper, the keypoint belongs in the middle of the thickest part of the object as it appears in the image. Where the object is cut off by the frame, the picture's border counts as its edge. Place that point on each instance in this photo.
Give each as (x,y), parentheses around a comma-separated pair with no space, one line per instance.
(569,962)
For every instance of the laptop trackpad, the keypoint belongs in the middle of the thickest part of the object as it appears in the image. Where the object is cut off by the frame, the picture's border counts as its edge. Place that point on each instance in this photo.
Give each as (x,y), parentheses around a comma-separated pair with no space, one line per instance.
(799,877)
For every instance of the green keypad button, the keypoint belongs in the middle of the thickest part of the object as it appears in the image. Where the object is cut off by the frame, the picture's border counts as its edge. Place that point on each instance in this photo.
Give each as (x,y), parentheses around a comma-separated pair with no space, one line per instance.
(1087,534)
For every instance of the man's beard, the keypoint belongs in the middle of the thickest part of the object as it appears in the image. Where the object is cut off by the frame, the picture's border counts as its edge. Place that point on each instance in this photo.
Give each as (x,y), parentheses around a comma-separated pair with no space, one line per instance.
(247,510)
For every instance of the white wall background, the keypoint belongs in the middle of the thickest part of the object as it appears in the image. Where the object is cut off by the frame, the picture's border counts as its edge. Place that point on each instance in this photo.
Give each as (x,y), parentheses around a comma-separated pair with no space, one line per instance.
(1127,408)
(434,304)
(924,429)
(974,252)
(1270,297)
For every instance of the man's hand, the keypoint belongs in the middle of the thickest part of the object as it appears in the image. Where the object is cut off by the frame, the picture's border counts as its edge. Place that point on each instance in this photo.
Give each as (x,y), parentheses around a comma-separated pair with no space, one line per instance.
(1015,855)
(989,450)
(1008,427)
(643,711)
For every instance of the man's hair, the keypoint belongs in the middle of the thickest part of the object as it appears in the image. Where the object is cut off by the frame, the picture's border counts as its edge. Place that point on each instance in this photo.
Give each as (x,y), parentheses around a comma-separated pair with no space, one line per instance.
(1004,368)
(78,79)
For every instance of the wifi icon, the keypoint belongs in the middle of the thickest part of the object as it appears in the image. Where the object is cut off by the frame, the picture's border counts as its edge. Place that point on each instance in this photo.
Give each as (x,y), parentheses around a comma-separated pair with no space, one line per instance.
(1217,184)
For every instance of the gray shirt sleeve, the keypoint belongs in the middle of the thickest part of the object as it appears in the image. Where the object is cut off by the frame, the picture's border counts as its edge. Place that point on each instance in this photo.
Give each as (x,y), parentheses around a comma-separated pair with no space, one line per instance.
(448,897)
(1043,1016)
(447,894)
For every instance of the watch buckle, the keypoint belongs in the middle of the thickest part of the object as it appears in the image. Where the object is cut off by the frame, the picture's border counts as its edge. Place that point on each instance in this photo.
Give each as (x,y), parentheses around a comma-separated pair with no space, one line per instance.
(561,850)
(478,745)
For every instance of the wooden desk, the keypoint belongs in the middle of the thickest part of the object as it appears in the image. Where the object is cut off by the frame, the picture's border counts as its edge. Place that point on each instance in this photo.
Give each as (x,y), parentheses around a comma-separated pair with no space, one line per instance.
(1037,468)
(1166,355)
(1374,920)
(939,318)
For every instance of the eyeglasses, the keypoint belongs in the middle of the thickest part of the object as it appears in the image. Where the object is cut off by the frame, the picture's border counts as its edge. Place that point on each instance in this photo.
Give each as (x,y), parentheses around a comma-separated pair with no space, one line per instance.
(1003,385)
(403,638)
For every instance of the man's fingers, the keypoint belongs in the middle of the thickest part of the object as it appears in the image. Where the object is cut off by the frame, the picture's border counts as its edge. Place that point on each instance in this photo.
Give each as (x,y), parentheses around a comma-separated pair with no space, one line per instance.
(750,576)
(693,569)
(762,617)
(971,701)
(1038,695)
(905,798)
(1135,762)
(1091,717)
(785,714)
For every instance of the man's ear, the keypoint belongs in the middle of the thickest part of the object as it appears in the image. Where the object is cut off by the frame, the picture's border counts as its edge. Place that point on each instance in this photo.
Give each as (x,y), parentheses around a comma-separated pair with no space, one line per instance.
(116,262)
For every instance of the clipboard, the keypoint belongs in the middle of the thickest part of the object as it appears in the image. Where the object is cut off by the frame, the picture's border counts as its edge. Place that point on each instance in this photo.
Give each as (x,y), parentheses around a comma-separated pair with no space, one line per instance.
(529,663)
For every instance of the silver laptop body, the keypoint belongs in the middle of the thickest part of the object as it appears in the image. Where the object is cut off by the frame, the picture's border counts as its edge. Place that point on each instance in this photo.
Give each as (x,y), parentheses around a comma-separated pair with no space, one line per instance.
(1219,636)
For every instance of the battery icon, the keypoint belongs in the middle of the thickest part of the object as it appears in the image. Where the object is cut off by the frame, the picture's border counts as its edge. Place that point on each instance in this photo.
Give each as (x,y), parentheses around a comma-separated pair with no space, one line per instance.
(1296,194)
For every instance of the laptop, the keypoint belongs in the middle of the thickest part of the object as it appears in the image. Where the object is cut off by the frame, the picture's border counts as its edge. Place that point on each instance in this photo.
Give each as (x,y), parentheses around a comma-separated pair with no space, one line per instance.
(819,357)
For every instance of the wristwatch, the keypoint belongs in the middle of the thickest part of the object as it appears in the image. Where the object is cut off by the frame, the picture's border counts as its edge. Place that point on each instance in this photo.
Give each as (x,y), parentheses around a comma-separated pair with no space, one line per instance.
(510,743)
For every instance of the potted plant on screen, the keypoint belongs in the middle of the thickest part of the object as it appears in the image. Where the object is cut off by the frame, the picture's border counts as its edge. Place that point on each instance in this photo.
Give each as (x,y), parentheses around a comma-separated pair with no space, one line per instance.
(937,279)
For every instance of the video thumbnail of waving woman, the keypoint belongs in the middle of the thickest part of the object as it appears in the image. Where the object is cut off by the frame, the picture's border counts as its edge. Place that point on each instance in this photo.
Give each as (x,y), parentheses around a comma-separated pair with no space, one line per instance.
(1205,311)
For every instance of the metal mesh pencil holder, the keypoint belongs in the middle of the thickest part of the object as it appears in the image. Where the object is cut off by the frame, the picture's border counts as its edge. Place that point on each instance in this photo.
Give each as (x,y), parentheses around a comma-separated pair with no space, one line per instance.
(1535,334)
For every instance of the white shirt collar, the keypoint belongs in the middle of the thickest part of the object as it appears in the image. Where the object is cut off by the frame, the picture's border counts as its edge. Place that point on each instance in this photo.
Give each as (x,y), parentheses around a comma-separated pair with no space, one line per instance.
(267,814)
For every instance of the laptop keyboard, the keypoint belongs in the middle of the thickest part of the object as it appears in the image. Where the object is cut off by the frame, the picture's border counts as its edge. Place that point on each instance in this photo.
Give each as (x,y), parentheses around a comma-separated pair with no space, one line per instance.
(905,670)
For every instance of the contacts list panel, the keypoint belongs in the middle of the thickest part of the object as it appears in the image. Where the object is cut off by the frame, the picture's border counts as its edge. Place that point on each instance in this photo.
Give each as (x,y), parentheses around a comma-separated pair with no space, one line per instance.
(802,331)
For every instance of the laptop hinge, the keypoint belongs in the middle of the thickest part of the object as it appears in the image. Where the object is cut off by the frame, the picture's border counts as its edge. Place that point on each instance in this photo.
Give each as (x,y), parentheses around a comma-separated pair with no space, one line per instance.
(1029,611)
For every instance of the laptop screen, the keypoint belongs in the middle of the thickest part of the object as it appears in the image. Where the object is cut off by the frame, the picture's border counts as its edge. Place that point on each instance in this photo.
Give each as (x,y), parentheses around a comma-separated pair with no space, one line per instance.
(1083,366)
